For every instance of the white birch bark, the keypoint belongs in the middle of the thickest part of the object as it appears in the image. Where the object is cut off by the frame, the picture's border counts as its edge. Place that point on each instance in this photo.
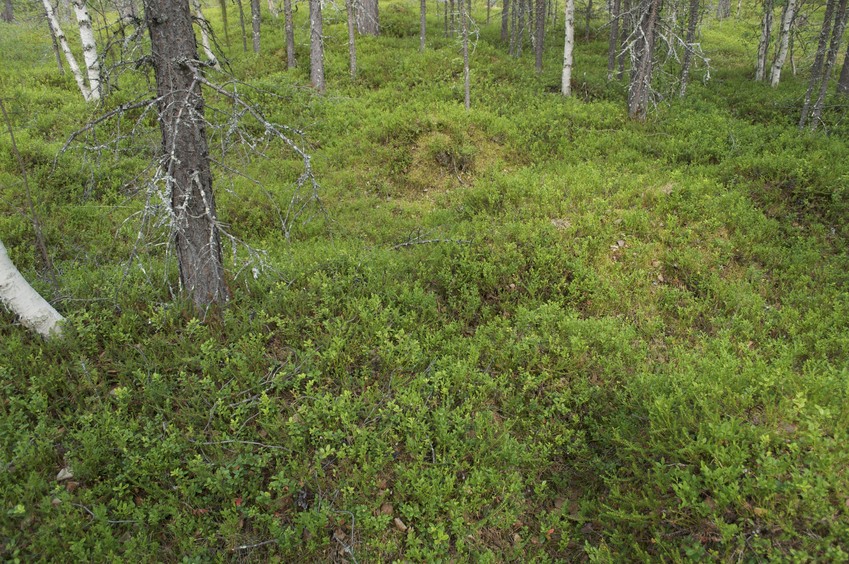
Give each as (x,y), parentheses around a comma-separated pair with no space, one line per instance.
(568,48)
(69,56)
(204,34)
(89,48)
(784,42)
(19,297)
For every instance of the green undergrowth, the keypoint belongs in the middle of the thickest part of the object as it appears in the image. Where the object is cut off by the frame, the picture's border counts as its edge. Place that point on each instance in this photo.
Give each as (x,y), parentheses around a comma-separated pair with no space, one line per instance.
(534,331)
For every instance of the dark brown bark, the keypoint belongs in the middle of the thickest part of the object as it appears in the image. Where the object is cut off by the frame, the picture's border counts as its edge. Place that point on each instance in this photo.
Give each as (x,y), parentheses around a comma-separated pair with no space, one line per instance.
(316,46)
(290,32)
(692,25)
(368,18)
(613,45)
(540,33)
(256,18)
(185,153)
(640,88)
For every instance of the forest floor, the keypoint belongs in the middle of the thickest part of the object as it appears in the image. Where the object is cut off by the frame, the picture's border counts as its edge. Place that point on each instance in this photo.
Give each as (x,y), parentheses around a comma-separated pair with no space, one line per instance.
(531,331)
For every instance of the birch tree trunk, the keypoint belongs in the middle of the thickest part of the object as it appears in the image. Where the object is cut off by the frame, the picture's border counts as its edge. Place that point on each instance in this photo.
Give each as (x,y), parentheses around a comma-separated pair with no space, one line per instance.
(568,48)
(56,51)
(368,18)
(763,44)
(255,21)
(613,45)
(204,35)
(194,222)
(126,10)
(352,47)
(290,32)
(69,55)
(783,42)
(540,33)
(89,48)
(464,27)
(22,300)
(692,25)
(831,58)
(819,59)
(422,24)
(316,46)
(272,8)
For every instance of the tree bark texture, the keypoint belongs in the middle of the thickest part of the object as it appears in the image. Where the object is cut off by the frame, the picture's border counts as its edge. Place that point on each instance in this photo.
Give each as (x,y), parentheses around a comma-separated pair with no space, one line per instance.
(352,46)
(692,26)
(204,34)
(222,5)
(505,21)
(89,48)
(194,223)
(289,24)
(819,59)
(316,46)
(783,42)
(368,18)
(8,14)
(640,88)
(22,300)
(763,44)
(242,25)
(830,59)
(613,43)
(540,33)
(66,49)
(464,29)
(422,24)
(843,81)
(256,18)
(568,48)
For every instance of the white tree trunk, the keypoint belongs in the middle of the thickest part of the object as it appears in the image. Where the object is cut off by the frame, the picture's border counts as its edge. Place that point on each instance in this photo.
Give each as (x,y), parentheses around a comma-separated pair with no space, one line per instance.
(568,48)
(204,34)
(18,296)
(784,42)
(89,48)
(69,56)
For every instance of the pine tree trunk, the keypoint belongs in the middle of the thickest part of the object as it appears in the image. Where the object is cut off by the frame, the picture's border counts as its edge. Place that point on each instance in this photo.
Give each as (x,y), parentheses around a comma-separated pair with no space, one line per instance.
(520,39)
(204,34)
(783,42)
(69,55)
(19,297)
(316,46)
(185,154)
(540,33)
(222,4)
(242,25)
(514,17)
(422,24)
(692,25)
(368,18)
(464,29)
(641,76)
(763,44)
(831,58)
(568,48)
(452,23)
(290,32)
(89,48)
(352,47)
(613,44)
(819,59)
(589,16)
(256,18)
(8,14)
(505,21)
(625,27)
(843,81)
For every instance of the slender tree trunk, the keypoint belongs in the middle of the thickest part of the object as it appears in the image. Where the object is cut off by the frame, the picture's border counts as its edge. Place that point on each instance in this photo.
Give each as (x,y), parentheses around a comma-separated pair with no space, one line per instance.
(185,154)
(242,25)
(843,81)
(520,40)
(640,87)
(352,47)
(784,41)
(445,13)
(368,18)
(204,34)
(488,9)
(625,27)
(69,55)
(763,44)
(8,14)
(819,59)
(831,58)
(613,44)
(222,4)
(540,33)
(316,46)
(89,48)
(464,29)
(568,48)
(56,52)
(256,18)
(422,25)
(290,33)
(589,19)
(514,28)
(505,21)
(452,20)
(20,298)
(692,25)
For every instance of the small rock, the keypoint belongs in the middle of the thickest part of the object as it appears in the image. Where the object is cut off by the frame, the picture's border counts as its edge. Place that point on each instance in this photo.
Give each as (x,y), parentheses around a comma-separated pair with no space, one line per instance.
(399,524)
(64,474)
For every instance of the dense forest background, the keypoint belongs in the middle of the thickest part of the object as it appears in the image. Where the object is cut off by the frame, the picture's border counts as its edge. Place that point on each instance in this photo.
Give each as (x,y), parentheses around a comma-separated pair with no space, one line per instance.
(469,310)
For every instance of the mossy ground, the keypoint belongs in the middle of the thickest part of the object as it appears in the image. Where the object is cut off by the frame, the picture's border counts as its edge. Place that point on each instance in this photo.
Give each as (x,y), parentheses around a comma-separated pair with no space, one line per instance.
(629,343)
